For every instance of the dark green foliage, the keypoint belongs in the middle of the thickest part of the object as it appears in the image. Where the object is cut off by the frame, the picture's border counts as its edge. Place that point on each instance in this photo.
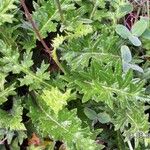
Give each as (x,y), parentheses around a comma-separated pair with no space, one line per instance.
(89,91)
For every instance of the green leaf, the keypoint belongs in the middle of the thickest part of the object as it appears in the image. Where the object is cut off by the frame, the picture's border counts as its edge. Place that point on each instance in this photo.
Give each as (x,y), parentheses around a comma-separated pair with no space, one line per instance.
(58,41)
(128,79)
(2,81)
(82,30)
(135,40)
(124,9)
(65,127)
(105,85)
(27,60)
(6,92)
(123,31)
(9,61)
(55,99)
(136,67)
(146,34)
(88,48)
(35,80)
(126,53)
(139,27)
(135,117)
(44,16)
(125,66)
(42,72)
(102,79)
(91,114)
(5,8)
(12,120)
(147,90)
(103,117)
(27,80)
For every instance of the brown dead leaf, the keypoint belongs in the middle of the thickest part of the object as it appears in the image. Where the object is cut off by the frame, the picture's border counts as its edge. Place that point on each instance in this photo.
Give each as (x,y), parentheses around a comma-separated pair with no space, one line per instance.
(35,140)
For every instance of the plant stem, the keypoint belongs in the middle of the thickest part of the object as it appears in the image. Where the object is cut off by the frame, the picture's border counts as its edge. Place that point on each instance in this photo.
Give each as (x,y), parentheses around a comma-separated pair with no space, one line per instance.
(129,144)
(138,13)
(60,11)
(29,17)
(2,142)
(47,49)
(94,9)
(55,58)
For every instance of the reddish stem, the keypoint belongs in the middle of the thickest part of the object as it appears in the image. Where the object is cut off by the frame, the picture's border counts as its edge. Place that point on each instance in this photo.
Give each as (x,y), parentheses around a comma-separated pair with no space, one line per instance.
(29,17)
(47,49)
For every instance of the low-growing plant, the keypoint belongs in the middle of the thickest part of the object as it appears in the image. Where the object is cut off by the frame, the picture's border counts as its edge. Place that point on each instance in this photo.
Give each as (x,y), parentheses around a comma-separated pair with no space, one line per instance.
(74,75)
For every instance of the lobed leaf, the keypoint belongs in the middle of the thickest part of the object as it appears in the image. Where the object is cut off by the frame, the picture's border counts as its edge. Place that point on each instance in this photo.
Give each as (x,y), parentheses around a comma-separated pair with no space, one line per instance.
(5,7)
